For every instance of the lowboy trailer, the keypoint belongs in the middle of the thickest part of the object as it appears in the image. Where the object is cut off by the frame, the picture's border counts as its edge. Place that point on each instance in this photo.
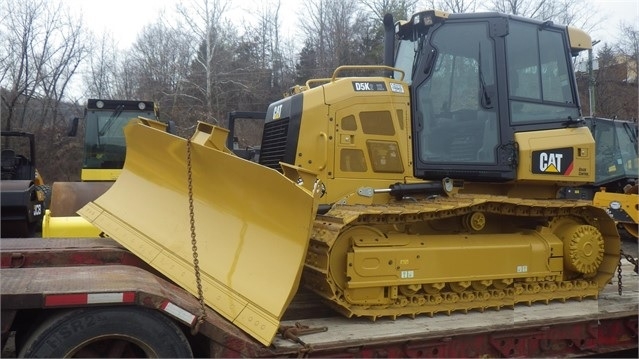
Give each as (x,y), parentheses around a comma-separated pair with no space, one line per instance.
(82,297)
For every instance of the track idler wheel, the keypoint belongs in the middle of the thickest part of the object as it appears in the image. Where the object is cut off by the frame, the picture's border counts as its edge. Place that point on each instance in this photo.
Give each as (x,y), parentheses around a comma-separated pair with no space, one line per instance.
(583,245)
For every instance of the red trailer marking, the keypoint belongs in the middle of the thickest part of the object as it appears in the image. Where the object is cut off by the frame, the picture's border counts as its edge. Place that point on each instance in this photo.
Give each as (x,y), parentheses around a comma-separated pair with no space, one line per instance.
(56,300)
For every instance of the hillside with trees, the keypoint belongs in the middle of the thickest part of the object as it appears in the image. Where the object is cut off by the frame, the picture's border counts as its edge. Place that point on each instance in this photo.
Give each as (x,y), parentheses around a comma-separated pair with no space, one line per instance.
(199,65)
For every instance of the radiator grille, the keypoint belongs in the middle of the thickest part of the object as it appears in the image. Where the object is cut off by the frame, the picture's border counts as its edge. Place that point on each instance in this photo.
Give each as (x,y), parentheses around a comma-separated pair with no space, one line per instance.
(273,149)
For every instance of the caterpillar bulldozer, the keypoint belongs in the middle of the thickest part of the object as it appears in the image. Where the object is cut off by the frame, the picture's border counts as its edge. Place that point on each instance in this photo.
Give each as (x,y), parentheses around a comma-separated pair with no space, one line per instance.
(104,153)
(425,185)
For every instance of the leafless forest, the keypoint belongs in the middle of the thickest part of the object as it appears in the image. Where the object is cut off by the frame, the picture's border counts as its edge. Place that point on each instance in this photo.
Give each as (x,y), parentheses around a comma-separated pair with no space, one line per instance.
(198,65)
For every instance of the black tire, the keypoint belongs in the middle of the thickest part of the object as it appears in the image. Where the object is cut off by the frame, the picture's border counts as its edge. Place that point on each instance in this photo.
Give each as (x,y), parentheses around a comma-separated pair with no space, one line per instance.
(115,332)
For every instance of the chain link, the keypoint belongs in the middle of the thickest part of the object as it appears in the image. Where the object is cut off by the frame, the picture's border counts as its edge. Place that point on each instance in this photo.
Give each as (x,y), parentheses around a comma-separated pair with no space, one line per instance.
(630,259)
(619,285)
(196,262)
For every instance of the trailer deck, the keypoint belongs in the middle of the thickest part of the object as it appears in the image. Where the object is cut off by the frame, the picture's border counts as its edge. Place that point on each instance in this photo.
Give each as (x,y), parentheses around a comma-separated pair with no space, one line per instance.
(40,273)
(554,329)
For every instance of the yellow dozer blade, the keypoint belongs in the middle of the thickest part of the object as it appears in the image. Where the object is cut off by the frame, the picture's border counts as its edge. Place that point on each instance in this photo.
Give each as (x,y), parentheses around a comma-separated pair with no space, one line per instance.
(252,224)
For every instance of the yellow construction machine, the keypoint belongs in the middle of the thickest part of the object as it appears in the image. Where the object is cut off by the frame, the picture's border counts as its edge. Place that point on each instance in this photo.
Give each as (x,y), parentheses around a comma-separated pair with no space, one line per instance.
(617,170)
(617,164)
(104,153)
(425,185)
(23,193)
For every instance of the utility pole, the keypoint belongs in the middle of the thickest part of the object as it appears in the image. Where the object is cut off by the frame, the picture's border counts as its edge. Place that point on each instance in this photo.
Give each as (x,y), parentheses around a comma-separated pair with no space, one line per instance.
(591,79)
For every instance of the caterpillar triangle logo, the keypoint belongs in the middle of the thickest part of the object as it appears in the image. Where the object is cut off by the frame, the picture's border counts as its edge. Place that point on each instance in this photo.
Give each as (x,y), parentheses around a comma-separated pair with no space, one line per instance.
(551,168)
(557,161)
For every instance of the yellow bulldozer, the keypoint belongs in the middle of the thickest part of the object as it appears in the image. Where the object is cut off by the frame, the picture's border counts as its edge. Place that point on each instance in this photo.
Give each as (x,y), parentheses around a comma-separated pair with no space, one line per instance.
(425,185)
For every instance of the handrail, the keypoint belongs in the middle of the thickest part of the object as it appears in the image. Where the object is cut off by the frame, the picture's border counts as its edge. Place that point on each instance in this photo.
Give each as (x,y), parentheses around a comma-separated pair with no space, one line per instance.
(312,82)
(366,68)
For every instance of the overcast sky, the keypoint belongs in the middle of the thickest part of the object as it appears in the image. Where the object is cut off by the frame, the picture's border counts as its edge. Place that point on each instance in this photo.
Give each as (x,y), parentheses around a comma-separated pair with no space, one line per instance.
(125,18)
(615,11)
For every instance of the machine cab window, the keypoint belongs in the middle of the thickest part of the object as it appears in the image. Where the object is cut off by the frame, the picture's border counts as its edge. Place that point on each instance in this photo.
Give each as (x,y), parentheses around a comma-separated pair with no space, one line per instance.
(477,81)
(457,104)
(539,85)
(104,143)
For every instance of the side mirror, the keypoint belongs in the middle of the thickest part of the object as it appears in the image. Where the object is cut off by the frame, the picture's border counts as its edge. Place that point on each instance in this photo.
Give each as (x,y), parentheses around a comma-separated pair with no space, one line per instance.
(170,128)
(73,128)
(429,62)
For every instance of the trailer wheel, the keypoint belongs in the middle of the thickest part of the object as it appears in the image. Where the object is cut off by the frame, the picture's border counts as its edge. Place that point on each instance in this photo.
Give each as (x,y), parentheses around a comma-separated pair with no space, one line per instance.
(113,332)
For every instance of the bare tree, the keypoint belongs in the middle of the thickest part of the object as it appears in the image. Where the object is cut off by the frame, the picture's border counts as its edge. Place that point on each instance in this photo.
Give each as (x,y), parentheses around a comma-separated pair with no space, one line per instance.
(330,31)
(42,47)
(269,42)
(205,21)
(628,46)
(101,77)
(454,6)
(158,67)
(578,13)
(19,78)
(401,9)
(160,58)
(125,84)
(607,80)
(536,9)
(369,27)
(625,91)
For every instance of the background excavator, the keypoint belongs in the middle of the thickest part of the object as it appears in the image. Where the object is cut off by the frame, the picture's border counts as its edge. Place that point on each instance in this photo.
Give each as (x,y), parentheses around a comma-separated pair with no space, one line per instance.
(426,185)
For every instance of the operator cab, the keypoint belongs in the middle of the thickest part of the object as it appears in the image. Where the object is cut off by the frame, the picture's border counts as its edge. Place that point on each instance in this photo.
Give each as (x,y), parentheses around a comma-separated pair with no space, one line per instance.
(617,152)
(104,144)
(475,80)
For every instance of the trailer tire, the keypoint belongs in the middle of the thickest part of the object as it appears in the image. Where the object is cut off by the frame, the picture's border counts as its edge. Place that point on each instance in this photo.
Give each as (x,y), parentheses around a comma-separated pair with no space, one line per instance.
(107,332)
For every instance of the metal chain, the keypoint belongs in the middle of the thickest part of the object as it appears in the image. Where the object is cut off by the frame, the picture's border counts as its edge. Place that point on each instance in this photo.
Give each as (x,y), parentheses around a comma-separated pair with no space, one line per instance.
(619,285)
(630,259)
(196,262)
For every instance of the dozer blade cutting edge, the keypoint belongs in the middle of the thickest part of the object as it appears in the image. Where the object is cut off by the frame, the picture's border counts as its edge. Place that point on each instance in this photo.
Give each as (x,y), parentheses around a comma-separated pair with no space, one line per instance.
(252,223)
